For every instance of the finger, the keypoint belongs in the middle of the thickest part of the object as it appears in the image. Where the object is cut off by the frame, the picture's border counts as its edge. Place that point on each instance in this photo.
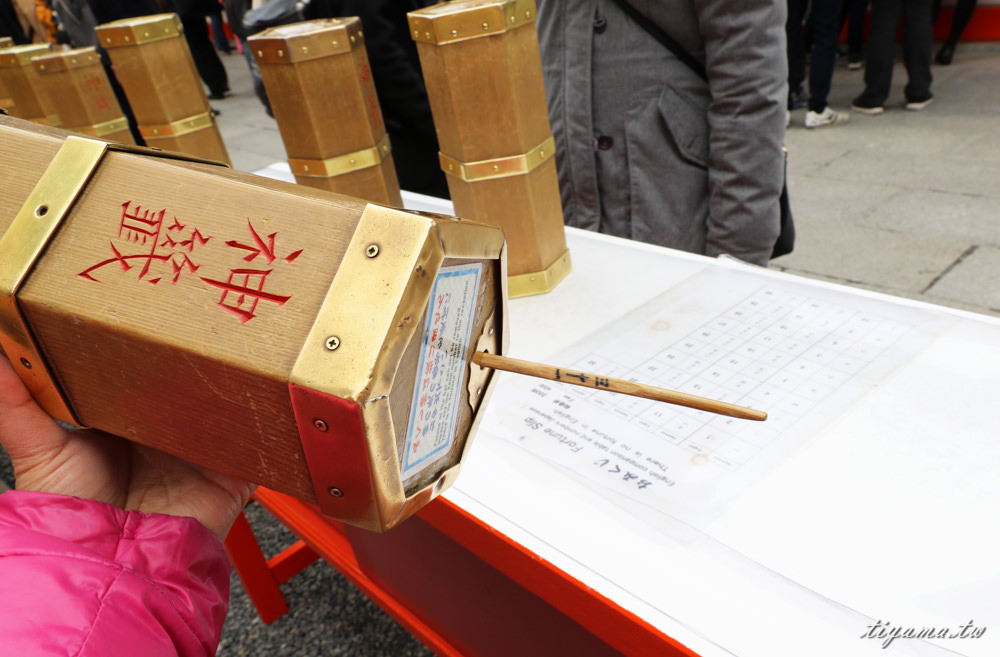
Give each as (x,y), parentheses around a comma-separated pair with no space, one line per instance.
(24,427)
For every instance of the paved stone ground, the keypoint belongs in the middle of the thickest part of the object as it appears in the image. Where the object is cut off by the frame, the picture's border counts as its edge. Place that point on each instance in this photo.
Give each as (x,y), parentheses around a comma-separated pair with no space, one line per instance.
(905,202)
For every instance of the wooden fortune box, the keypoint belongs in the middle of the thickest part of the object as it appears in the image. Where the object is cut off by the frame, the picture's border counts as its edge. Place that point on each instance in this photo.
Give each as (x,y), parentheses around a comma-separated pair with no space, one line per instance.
(155,68)
(300,339)
(75,84)
(5,100)
(483,73)
(321,91)
(21,82)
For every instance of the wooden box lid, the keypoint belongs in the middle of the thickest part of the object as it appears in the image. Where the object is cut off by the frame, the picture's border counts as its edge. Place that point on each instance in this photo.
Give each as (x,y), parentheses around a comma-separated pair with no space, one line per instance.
(308,40)
(21,56)
(452,22)
(58,61)
(138,31)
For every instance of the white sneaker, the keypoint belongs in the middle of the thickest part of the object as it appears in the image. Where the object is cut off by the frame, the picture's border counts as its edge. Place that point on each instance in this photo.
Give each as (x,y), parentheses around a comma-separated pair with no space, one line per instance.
(917,105)
(825,118)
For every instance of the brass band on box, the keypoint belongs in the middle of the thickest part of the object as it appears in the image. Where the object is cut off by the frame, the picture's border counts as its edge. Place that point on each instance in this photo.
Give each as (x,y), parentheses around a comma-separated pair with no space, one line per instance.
(111,130)
(499,167)
(341,164)
(178,128)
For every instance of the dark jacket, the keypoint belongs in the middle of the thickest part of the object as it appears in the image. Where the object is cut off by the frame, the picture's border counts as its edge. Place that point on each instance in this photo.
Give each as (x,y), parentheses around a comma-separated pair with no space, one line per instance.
(106,11)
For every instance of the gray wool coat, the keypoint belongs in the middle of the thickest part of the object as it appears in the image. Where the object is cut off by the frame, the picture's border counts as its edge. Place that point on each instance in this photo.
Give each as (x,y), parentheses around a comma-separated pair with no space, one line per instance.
(645,148)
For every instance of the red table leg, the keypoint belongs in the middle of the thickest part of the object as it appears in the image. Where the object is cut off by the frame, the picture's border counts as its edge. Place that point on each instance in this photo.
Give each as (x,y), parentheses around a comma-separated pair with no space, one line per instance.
(260,576)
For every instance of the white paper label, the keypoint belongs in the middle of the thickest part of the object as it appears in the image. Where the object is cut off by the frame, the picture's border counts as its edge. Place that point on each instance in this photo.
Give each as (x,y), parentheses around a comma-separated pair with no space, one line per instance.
(437,393)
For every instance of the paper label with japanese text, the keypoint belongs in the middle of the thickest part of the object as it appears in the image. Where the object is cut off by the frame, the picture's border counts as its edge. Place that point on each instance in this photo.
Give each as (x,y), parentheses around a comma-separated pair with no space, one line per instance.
(440,378)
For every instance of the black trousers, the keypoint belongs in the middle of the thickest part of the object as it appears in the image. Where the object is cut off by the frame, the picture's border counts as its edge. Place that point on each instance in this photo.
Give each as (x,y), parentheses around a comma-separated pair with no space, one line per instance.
(857,13)
(963,14)
(823,26)
(206,59)
(917,46)
(10,25)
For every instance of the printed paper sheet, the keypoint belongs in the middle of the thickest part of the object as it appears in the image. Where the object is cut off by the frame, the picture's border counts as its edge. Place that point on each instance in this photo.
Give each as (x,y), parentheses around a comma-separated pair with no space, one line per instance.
(802,353)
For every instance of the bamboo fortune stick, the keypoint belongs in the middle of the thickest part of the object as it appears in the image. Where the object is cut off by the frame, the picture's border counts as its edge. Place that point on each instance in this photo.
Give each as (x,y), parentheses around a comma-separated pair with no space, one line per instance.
(552,373)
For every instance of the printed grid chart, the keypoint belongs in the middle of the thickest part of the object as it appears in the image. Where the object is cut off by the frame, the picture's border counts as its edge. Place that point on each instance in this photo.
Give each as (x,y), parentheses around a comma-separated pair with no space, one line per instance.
(779,351)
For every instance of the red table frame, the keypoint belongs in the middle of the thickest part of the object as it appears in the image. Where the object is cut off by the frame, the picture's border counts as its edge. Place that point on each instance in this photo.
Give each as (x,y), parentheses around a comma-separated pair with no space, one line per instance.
(455,583)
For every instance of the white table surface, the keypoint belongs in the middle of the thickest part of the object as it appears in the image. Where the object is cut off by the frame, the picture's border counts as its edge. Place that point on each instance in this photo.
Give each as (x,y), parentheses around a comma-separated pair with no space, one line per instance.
(889,514)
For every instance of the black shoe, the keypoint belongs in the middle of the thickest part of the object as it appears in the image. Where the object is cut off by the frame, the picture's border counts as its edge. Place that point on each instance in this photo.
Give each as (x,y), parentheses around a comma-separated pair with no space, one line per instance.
(864,105)
(945,55)
(797,98)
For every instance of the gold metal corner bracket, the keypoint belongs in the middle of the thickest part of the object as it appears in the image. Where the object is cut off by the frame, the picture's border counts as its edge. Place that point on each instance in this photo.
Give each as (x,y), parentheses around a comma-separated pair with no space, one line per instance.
(23,244)
(523,285)
(339,376)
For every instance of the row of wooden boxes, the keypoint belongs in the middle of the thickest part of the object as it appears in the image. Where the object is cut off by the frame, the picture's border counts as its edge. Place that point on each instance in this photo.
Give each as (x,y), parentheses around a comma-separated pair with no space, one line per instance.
(482,70)
(71,88)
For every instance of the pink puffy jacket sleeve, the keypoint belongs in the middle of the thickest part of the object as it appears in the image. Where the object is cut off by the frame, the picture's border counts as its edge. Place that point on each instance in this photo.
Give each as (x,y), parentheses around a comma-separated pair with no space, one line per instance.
(83,578)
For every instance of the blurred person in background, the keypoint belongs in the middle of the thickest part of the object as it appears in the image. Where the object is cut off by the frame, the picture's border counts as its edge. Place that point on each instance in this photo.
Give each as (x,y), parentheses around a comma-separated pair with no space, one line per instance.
(917,45)
(963,14)
(823,28)
(681,150)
